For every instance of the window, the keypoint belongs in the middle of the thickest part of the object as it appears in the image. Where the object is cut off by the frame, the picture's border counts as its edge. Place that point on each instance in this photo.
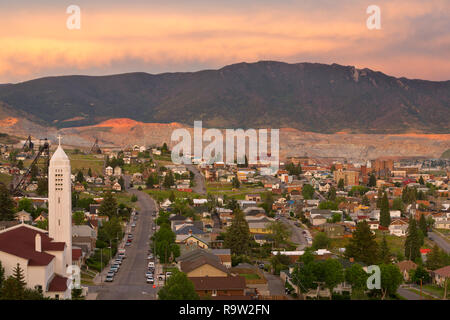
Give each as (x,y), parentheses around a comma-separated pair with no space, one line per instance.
(214,293)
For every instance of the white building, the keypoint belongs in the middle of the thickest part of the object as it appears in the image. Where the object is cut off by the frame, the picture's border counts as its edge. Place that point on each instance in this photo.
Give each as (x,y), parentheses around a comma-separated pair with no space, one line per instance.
(45,256)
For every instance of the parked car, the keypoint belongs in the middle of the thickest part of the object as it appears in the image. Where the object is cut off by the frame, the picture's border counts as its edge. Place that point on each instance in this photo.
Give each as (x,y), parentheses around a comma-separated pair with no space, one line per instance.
(118,261)
(114,269)
(150,280)
(133,225)
(128,243)
(109,278)
(148,274)
(116,266)
(151,264)
(110,273)
(150,257)
(161,276)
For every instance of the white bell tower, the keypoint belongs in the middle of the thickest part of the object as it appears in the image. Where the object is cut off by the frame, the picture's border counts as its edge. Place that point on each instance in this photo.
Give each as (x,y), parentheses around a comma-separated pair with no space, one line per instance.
(60,200)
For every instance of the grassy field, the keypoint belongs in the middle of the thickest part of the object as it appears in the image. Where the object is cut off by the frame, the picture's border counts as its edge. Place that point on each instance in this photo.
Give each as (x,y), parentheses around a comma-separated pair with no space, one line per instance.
(438,291)
(5,179)
(164,194)
(84,162)
(250,276)
(424,295)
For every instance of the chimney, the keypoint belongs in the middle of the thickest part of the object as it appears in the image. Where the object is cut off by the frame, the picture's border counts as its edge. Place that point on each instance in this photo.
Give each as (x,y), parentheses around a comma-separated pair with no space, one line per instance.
(38,243)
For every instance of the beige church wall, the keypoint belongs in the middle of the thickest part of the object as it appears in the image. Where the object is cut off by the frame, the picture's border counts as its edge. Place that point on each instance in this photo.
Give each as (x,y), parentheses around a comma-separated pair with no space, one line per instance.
(9,262)
(40,275)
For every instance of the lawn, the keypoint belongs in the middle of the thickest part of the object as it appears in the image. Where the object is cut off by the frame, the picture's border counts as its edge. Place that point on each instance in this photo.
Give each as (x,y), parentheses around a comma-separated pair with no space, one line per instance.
(164,194)
(5,179)
(84,162)
(438,291)
(250,276)
(424,295)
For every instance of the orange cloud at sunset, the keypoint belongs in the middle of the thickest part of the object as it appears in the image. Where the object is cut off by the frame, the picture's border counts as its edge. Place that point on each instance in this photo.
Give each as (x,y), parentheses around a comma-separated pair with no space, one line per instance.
(124,40)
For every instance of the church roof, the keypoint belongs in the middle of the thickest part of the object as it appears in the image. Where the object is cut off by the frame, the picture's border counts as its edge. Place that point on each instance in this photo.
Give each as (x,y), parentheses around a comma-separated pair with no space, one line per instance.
(59,154)
(20,242)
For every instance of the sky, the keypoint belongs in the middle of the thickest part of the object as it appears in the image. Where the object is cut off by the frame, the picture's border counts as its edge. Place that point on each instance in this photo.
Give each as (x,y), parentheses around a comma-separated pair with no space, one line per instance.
(158,36)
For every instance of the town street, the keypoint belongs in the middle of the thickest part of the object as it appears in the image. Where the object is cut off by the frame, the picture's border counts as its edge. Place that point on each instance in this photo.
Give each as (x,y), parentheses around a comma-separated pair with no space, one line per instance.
(441,242)
(130,282)
(296,235)
(199,180)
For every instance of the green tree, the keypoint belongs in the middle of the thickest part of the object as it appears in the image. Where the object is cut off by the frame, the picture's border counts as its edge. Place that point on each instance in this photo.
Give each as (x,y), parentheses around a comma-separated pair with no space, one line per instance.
(437,258)
(80,177)
(391,278)
(321,241)
(90,172)
(385,254)
(169,180)
(385,216)
(341,184)
(2,276)
(6,204)
(237,236)
(308,191)
(357,277)
(423,225)
(362,246)
(331,194)
(109,205)
(20,165)
(78,218)
(19,277)
(412,242)
(178,287)
(419,275)
(172,196)
(421,181)
(334,273)
(42,187)
(279,233)
(372,180)
(235,183)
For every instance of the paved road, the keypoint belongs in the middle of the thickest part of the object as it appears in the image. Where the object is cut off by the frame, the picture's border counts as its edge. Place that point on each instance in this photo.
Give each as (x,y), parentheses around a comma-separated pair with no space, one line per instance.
(130,282)
(442,243)
(405,293)
(199,180)
(276,285)
(297,235)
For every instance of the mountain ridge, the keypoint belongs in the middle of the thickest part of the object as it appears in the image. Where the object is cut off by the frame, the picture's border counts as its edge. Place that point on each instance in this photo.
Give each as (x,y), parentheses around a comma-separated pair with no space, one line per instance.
(306,96)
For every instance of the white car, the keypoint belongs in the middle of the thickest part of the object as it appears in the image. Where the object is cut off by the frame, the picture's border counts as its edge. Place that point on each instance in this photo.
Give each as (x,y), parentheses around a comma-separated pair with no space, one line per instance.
(151,264)
(150,257)
(150,280)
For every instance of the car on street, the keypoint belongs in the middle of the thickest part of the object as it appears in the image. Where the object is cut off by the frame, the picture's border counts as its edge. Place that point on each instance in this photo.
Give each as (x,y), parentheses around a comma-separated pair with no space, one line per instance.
(133,225)
(110,273)
(118,261)
(150,257)
(154,228)
(115,266)
(148,274)
(114,269)
(128,243)
(151,264)
(109,278)
(150,280)
(161,277)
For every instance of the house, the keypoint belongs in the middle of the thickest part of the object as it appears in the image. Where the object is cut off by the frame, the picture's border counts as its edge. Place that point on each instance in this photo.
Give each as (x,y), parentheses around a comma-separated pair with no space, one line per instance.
(42,217)
(317,219)
(398,228)
(334,230)
(193,240)
(229,287)
(109,171)
(405,267)
(78,187)
(117,187)
(199,202)
(202,264)
(253,197)
(23,216)
(117,171)
(84,237)
(374,225)
(224,256)
(440,276)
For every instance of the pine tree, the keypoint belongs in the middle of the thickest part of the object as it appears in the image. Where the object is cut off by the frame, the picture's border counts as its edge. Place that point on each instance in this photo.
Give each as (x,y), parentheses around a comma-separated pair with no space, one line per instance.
(385,254)
(341,184)
(18,275)
(237,236)
(421,181)
(365,201)
(372,180)
(412,243)
(385,216)
(423,225)
(90,172)
(108,206)
(362,246)
(6,204)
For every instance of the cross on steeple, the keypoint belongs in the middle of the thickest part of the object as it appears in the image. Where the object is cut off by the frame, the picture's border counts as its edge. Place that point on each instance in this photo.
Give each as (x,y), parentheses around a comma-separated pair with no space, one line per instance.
(59,140)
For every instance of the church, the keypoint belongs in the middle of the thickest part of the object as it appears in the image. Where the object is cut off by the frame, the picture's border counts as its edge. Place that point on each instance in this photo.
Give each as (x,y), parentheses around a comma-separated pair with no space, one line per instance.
(45,256)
